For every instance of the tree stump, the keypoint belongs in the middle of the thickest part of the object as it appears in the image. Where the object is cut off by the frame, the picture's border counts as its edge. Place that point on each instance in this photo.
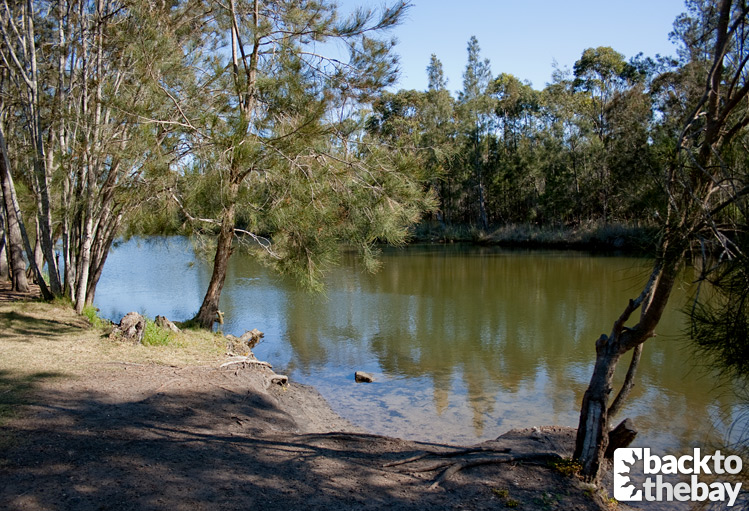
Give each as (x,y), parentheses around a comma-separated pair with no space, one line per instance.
(132,327)
(164,323)
(620,436)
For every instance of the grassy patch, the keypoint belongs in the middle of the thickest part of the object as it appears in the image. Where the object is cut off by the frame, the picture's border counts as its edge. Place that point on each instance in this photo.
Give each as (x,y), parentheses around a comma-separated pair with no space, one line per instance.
(567,466)
(154,335)
(91,313)
(504,496)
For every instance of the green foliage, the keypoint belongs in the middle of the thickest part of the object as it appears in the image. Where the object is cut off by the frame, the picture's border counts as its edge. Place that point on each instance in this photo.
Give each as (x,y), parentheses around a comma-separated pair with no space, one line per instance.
(567,467)
(720,318)
(153,335)
(90,312)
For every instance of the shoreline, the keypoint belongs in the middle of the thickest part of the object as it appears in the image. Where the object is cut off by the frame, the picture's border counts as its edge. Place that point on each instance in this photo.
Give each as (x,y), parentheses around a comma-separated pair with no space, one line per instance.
(611,238)
(94,423)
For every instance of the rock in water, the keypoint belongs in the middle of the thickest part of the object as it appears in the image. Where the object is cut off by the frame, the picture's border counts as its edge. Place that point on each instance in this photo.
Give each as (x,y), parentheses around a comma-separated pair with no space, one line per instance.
(362,377)
(132,327)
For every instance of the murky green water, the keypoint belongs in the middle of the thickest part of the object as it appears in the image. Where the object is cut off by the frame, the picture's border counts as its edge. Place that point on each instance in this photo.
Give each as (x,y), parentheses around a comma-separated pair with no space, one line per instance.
(465,342)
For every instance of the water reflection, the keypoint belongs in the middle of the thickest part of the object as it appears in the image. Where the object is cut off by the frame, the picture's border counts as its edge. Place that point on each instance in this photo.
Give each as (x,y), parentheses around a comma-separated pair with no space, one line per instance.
(466,342)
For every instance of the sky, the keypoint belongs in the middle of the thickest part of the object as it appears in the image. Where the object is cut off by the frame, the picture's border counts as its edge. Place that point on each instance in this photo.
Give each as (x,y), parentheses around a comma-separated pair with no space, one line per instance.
(525,37)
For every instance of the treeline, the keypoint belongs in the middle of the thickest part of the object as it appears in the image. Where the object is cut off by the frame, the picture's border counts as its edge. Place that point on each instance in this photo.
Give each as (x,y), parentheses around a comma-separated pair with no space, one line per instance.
(230,120)
(588,148)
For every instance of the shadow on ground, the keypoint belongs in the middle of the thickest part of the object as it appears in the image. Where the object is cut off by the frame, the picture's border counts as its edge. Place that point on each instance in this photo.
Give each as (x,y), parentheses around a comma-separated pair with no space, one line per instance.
(191,439)
(181,449)
(20,327)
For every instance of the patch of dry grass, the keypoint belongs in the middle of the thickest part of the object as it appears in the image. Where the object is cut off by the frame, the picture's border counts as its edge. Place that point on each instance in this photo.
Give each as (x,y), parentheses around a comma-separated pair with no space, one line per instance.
(36,336)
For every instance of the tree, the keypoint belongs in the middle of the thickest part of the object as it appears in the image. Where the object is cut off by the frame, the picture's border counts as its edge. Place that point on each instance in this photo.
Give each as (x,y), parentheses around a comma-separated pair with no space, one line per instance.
(11,212)
(474,111)
(86,131)
(516,181)
(703,180)
(281,145)
(606,76)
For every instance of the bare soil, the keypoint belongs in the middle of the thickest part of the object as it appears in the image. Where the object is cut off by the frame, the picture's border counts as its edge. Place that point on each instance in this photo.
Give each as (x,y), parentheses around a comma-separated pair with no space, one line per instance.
(89,424)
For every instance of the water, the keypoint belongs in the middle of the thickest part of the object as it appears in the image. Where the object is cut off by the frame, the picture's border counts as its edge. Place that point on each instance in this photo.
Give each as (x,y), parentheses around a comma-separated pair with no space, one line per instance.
(465,342)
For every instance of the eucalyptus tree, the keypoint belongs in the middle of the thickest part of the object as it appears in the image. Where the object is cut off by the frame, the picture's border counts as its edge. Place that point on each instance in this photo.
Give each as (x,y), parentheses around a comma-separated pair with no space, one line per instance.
(22,82)
(605,76)
(279,151)
(516,181)
(12,228)
(705,181)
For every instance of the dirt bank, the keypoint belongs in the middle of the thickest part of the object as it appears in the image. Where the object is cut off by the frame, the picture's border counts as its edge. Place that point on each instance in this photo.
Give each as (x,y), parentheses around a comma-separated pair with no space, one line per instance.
(89,425)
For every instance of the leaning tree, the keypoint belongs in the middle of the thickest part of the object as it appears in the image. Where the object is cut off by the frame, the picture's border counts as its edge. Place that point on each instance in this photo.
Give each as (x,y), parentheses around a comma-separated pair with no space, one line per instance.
(704,179)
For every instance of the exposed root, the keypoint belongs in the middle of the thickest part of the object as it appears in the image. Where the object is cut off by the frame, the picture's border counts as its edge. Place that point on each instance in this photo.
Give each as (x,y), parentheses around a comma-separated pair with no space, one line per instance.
(452,467)
(246,360)
(452,454)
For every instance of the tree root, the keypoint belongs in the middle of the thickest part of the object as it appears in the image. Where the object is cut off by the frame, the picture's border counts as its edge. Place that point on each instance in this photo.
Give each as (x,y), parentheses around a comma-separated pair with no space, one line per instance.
(452,467)
(246,360)
(461,452)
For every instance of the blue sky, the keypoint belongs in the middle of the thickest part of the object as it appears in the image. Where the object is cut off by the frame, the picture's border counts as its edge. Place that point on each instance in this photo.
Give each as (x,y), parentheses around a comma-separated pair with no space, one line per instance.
(524,37)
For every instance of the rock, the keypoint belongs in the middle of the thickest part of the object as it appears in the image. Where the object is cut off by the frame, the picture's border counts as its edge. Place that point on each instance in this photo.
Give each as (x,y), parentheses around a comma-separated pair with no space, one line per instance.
(362,377)
(279,379)
(164,323)
(131,328)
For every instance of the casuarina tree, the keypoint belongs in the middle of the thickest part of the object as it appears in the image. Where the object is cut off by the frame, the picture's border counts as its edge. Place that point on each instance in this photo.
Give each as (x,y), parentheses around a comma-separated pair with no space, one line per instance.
(279,154)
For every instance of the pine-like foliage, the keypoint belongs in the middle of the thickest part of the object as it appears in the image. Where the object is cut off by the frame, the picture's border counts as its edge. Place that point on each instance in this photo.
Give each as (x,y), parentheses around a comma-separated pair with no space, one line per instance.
(720,320)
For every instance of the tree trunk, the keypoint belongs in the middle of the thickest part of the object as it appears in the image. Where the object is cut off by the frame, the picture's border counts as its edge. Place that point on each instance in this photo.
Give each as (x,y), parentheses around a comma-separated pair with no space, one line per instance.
(593,431)
(38,255)
(208,312)
(15,240)
(4,268)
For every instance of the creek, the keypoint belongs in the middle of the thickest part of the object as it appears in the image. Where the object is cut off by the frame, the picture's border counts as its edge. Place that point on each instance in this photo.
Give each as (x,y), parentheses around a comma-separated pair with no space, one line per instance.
(465,342)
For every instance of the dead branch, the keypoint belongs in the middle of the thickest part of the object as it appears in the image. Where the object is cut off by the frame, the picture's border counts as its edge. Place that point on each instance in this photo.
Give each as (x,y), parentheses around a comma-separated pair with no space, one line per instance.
(246,360)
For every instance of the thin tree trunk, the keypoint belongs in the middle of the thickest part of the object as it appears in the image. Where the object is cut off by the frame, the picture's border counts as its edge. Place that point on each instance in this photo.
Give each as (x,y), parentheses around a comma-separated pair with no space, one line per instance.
(208,312)
(38,255)
(40,167)
(4,267)
(103,243)
(629,383)
(15,238)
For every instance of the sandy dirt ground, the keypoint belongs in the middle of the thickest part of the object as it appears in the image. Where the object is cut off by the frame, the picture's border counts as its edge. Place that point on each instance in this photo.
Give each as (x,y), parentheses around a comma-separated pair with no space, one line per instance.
(85,425)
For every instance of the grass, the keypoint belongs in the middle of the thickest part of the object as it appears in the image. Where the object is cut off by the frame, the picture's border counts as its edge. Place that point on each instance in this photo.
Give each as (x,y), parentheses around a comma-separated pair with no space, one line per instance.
(91,313)
(504,496)
(567,467)
(38,336)
(154,335)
